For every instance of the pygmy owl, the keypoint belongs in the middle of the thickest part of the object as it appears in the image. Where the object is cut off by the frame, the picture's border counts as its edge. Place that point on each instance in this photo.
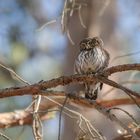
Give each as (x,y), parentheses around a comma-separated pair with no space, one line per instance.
(92,59)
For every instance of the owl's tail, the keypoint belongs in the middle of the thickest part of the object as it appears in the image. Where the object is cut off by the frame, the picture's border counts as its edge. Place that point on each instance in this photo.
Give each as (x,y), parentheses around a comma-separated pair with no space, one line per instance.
(92,90)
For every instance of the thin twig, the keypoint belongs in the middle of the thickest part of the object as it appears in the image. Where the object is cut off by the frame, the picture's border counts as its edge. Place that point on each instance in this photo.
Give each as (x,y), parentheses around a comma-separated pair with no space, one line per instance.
(122,83)
(69,37)
(125,55)
(105,5)
(80,17)
(4,136)
(127,113)
(37,127)
(46,24)
(63,17)
(14,75)
(60,118)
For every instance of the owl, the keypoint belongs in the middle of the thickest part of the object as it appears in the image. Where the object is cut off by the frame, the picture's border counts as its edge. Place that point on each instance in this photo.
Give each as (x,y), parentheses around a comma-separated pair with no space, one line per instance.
(92,59)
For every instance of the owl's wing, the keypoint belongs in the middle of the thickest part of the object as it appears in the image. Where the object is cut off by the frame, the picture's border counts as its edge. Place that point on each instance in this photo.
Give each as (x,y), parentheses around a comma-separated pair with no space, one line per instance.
(75,67)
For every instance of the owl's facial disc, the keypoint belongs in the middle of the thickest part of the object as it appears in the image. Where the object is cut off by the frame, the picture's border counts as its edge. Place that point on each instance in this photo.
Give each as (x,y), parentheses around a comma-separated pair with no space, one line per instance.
(90,43)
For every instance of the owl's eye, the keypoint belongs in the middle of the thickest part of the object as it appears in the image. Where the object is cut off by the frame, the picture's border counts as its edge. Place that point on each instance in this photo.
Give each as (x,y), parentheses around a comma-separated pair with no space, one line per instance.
(94,41)
(82,46)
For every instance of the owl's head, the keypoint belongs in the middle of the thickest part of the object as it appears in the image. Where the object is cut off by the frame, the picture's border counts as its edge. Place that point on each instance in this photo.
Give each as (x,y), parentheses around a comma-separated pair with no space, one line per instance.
(90,43)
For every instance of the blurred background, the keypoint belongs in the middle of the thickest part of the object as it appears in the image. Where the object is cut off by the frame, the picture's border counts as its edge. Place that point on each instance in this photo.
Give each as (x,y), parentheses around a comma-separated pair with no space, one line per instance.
(37,53)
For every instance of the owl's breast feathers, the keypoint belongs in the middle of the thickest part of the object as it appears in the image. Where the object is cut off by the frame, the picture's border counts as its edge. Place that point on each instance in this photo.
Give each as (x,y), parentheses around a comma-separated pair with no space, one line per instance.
(92,61)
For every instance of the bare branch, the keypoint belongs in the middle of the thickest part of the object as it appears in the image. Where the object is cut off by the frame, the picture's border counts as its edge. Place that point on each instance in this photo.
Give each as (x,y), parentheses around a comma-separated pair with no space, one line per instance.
(120,68)
(4,136)
(127,113)
(14,75)
(122,83)
(46,24)
(125,55)
(60,118)
(36,89)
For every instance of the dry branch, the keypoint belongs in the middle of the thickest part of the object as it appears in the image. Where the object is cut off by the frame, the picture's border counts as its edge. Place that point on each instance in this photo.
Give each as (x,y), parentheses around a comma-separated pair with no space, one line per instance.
(120,68)
(36,89)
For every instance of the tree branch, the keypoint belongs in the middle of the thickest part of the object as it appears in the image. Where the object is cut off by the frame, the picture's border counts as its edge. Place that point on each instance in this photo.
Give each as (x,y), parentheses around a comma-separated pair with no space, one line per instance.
(120,68)
(36,89)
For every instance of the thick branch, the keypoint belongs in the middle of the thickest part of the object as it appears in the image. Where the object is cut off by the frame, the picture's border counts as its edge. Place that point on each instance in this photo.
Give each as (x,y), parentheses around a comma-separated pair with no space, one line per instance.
(36,89)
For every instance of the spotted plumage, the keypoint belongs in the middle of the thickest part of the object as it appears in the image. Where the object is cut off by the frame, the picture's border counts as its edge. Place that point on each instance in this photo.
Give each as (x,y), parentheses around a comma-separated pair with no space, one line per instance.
(93,58)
